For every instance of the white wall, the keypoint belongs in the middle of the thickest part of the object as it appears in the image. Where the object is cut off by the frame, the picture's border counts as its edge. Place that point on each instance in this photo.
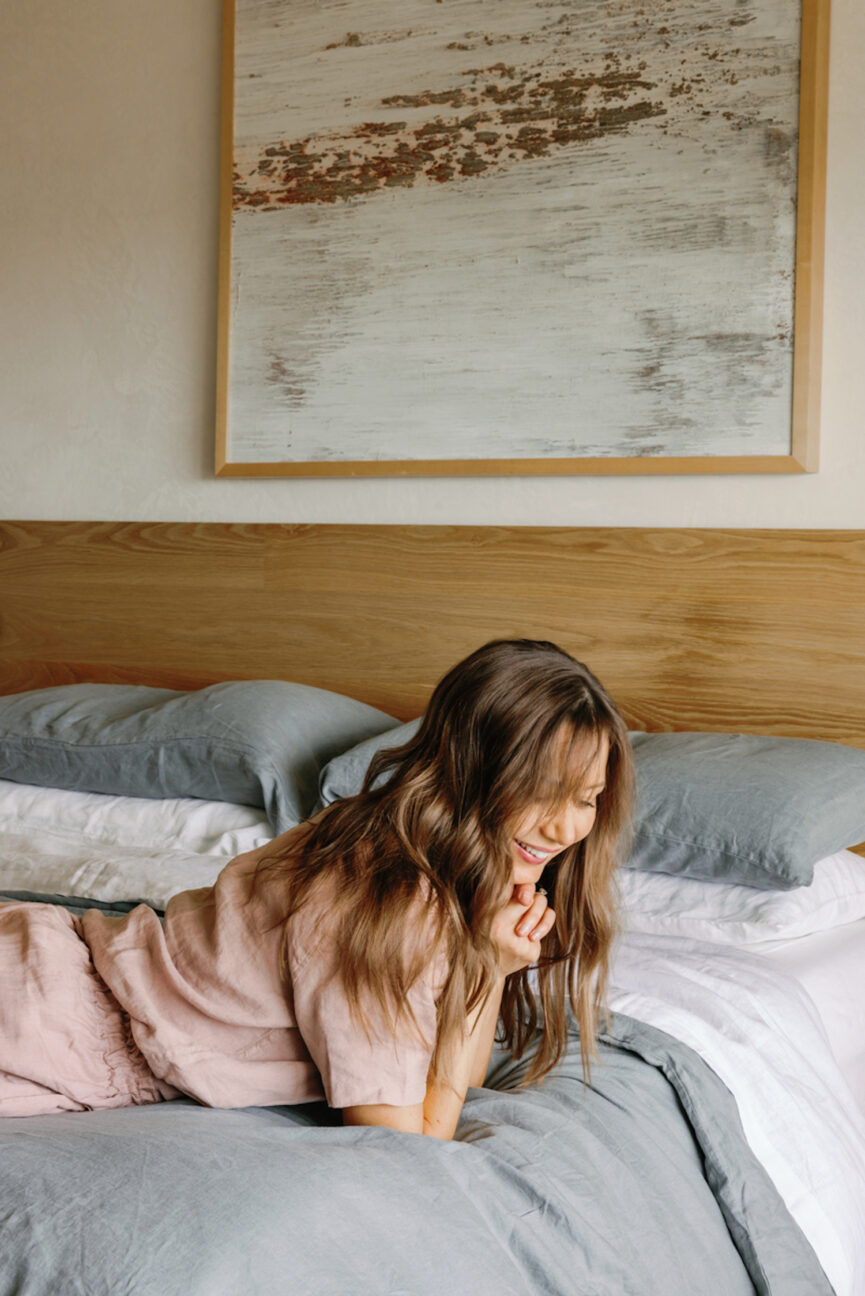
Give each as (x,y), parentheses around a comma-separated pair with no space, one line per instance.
(109,125)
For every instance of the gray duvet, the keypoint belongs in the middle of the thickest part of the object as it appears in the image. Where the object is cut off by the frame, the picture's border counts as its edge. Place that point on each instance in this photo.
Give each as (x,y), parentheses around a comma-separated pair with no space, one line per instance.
(641,1184)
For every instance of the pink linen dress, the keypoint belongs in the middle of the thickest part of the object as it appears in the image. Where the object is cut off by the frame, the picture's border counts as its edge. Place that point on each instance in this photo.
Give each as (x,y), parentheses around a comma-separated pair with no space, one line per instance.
(109,1011)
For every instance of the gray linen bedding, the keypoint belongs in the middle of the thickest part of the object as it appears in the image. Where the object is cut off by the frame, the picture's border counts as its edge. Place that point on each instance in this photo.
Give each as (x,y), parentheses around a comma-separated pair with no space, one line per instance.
(638,1185)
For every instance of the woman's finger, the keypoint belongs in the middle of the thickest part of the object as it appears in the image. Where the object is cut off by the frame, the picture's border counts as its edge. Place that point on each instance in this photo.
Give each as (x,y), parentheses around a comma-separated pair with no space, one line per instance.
(534,914)
(544,927)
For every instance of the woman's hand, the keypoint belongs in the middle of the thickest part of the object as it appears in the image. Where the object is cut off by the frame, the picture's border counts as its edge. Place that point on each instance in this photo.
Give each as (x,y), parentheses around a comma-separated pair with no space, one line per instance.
(519,927)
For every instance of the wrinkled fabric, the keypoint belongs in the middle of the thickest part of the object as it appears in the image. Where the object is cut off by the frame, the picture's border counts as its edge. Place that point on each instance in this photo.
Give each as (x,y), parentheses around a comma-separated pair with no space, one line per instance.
(763,1038)
(120,1008)
(638,1185)
(65,1042)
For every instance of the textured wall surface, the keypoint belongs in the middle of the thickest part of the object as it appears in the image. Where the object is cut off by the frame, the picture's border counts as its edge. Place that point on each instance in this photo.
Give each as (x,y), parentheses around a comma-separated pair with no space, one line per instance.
(108,225)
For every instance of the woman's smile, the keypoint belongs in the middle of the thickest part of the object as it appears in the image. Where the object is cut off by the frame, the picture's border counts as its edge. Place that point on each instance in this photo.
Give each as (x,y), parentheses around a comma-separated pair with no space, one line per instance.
(533,854)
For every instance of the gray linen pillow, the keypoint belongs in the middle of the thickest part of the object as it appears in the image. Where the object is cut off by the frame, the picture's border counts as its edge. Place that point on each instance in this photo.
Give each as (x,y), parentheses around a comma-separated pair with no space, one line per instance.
(343,776)
(722,807)
(741,808)
(254,742)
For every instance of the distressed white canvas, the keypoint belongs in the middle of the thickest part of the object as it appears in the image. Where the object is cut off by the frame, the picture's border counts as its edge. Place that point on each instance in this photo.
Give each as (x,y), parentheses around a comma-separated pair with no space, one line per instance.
(571,233)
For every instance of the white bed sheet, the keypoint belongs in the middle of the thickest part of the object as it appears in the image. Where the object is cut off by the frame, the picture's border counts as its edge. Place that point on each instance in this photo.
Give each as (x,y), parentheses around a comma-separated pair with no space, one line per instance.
(815,934)
(830,967)
(760,1032)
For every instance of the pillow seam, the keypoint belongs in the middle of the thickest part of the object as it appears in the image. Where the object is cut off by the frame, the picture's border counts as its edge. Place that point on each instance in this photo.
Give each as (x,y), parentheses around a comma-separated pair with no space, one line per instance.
(130,742)
(752,860)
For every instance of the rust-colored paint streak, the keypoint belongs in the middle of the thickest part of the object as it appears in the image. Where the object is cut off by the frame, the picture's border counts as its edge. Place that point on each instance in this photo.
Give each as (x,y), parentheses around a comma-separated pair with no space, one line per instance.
(282,377)
(514,114)
(456,98)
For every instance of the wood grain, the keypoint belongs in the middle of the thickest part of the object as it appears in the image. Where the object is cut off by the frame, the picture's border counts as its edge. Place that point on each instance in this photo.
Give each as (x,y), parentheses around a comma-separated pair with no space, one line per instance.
(810,233)
(719,630)
(224,261)
(614,466)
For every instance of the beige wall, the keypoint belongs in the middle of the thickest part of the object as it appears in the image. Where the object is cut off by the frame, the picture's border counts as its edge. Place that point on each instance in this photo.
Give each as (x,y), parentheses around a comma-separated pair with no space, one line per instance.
(109,118)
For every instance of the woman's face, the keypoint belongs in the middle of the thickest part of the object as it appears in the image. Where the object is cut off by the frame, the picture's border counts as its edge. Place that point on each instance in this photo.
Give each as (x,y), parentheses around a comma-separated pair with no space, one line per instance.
(541,832)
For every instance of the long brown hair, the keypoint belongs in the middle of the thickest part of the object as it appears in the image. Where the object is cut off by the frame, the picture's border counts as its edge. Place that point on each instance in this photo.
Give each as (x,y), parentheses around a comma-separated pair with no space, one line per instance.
(433,824)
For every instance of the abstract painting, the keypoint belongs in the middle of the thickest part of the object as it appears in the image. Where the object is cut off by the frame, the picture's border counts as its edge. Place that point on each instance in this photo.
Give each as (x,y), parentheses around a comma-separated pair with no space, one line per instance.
(520,236)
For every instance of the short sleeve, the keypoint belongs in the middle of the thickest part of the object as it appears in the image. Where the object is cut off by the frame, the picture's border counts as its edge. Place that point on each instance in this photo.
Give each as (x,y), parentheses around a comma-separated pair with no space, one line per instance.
(357,1068)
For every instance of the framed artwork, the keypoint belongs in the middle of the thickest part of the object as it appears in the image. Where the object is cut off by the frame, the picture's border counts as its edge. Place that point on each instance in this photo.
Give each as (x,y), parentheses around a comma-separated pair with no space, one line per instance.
(521,236)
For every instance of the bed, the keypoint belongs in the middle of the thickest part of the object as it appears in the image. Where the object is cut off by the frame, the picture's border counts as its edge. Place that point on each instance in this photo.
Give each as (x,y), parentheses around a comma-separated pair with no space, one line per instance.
(720,1146)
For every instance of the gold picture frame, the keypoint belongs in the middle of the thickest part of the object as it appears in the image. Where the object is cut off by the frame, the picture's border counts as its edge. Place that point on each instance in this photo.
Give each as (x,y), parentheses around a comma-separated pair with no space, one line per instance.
(329,367)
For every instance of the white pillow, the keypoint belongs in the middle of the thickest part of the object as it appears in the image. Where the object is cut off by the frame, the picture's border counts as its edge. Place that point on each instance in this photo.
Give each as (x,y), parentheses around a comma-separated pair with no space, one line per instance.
(53,864)
(112,848)
(199,827)
(668,905)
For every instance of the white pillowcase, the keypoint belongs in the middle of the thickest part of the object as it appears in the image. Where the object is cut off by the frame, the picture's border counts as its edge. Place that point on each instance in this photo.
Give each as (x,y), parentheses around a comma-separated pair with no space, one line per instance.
(665,905)
(200,827)
(51,864)
(112,848)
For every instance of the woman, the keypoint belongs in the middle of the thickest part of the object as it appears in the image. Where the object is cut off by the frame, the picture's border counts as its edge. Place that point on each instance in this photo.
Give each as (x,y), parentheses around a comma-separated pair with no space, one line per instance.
(365,956)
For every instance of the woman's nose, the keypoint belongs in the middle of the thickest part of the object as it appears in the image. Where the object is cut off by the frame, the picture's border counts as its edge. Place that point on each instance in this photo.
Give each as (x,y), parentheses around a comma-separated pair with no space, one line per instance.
(562,825)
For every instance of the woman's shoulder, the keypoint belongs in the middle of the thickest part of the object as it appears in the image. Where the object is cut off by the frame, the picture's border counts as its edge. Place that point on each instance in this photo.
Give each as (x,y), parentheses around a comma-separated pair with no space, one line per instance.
(330,914)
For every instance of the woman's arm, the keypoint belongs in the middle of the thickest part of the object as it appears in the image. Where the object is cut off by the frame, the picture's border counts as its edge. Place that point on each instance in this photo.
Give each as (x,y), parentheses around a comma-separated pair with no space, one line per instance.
(439,1112)
(517,930)
(444,1101)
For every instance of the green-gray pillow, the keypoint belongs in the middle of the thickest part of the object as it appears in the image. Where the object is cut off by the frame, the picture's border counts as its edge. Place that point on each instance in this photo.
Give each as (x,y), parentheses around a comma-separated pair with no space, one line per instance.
(253,742)
(343,776)
(722,807)
(741,808)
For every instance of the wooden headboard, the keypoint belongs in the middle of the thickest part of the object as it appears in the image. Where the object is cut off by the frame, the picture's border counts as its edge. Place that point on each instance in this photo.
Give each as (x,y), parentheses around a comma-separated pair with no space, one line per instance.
(689,629)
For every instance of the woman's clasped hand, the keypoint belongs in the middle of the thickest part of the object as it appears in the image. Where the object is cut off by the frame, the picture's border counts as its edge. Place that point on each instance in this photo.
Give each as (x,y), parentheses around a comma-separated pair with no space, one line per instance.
(520,926)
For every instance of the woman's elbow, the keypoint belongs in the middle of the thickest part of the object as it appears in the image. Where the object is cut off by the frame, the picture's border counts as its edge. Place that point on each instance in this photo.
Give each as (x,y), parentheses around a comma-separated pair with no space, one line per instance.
(409,1120)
